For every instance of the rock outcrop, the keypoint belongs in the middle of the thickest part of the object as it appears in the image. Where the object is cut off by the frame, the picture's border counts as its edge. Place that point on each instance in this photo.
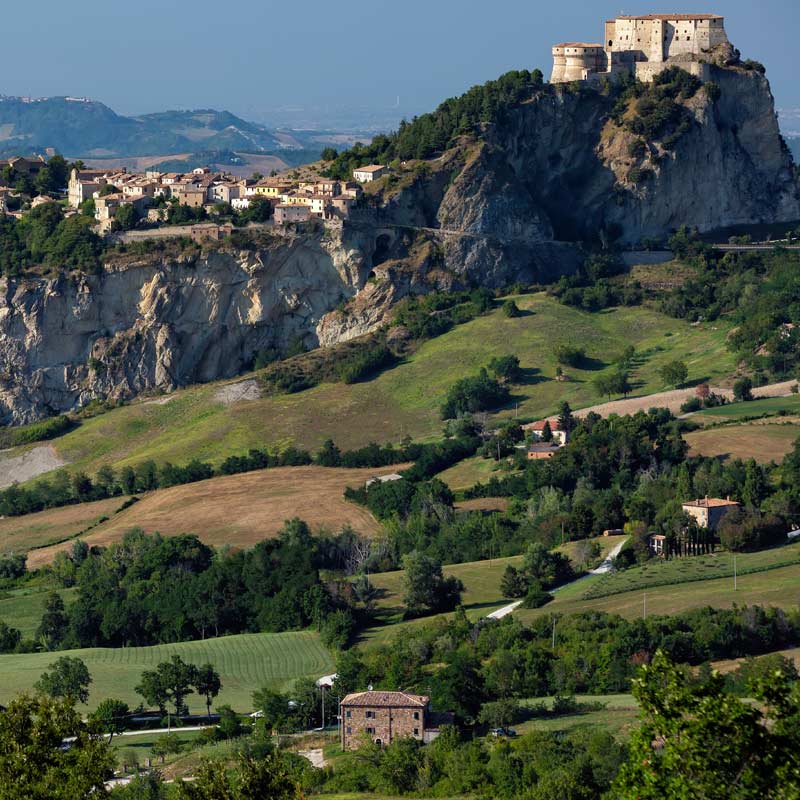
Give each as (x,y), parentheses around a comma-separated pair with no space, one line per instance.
(160,324)
(515,203)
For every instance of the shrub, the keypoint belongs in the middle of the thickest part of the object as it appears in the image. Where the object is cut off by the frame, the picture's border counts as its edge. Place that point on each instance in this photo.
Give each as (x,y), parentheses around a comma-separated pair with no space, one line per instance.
(743,389)
(469,395)
(693,404)
(570,355)
(511,309)
(536,596)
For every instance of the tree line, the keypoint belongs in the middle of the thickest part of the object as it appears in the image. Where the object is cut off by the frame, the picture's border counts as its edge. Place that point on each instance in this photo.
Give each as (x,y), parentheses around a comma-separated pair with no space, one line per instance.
(65,489)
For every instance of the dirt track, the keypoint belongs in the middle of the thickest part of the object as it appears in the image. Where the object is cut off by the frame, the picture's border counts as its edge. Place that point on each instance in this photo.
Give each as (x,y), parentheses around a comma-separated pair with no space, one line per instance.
(675,398)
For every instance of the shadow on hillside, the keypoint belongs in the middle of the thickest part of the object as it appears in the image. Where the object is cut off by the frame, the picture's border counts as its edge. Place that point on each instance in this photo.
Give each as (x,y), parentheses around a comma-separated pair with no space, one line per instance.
(531,376)
(591,364)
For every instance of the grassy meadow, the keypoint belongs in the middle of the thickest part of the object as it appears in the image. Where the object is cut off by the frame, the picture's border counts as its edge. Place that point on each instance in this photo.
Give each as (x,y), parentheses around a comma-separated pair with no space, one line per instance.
(616,714)
(197,423)
(245,662)
(481,596)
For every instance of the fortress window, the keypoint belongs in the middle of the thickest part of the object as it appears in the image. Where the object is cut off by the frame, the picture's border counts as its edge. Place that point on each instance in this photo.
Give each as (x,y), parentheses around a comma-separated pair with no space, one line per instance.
(610,42)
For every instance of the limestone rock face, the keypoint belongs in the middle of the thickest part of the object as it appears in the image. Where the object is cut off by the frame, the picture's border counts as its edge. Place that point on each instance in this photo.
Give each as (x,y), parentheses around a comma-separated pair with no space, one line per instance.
(160,325)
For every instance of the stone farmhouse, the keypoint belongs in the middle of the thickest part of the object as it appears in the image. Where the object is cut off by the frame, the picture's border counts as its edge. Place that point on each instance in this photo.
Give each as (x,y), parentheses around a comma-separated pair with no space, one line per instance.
(386,716)
(709,511)
(644,46)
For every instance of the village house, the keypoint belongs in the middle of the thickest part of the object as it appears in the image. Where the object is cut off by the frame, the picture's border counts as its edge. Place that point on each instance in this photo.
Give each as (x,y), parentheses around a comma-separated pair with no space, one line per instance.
(385,716)
(370,173)
(542,450)
(658,544)
(709,511)
(286,212)
(210,232)
(25,166)
(536,430)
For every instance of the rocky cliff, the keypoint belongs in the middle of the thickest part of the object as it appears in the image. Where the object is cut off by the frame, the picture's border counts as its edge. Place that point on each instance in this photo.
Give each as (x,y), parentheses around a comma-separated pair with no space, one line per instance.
(559,170)
(516,201)
(163,323)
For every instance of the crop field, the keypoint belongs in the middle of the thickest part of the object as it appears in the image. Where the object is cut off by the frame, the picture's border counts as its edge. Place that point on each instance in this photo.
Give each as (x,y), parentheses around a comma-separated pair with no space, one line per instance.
(752,408)
(204,422)
(775,587)
(245,663)
(20,534)
(698,568)
(239,510)
(763,441)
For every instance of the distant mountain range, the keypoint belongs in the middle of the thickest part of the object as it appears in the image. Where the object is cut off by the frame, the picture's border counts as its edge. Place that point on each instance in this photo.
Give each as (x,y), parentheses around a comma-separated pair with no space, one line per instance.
(79,127)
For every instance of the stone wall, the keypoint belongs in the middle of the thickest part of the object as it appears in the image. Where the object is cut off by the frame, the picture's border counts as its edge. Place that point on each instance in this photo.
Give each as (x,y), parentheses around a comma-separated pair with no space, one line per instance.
(381,724)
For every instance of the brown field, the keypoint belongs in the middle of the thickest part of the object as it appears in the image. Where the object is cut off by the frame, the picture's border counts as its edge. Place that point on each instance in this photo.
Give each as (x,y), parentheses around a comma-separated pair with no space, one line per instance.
(19,534)
(763,441)
(731,664)
(240,510)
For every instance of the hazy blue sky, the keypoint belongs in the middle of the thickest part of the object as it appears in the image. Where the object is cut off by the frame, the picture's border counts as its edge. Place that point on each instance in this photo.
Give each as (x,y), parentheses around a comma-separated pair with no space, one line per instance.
(250,56)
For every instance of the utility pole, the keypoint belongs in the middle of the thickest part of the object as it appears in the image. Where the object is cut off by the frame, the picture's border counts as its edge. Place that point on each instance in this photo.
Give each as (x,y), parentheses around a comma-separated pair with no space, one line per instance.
(322,686)
(644,606)
(734,573)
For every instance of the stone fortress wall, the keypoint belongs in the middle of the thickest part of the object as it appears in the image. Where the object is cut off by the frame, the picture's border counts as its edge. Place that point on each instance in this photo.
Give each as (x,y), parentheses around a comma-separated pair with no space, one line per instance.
(642,46)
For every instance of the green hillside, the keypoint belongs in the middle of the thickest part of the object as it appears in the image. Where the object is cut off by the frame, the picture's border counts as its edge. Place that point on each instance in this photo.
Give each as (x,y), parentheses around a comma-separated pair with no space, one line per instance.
(405,400)
(245,663)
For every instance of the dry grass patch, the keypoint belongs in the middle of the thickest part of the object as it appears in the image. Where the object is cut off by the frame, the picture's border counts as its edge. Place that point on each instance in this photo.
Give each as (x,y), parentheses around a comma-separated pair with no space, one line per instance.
(241,510)
(20,534)
(764,442)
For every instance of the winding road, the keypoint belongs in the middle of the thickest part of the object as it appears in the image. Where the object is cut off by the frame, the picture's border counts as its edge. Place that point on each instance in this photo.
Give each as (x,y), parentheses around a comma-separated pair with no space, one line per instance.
(606,565)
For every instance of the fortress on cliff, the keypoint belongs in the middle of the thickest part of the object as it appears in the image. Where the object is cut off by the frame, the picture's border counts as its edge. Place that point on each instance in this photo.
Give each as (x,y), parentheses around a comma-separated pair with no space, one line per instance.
(644,46)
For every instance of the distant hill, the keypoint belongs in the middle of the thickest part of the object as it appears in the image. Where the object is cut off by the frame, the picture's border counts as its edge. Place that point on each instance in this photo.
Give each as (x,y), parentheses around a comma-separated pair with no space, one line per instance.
(89,129)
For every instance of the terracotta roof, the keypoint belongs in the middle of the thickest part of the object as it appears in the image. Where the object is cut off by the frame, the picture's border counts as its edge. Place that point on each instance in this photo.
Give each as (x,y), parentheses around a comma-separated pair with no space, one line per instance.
(388,699)
(677,17)
(539,425)
(370,168)
(710,502)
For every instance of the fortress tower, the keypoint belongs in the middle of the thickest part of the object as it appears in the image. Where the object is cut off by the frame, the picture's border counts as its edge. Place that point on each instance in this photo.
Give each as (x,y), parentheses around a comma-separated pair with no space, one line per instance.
(643,46)
(575,61)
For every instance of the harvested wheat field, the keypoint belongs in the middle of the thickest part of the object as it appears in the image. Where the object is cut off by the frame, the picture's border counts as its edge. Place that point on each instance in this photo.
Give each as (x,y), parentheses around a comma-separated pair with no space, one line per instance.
(20,534)
(240,510)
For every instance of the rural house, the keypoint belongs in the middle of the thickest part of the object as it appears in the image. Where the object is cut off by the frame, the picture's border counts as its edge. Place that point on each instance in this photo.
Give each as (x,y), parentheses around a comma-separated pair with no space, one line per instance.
(385,716)
(536,429)
(709,511)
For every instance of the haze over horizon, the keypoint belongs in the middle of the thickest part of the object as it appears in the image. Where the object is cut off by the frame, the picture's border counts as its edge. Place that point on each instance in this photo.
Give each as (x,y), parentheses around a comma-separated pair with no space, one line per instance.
(267,62)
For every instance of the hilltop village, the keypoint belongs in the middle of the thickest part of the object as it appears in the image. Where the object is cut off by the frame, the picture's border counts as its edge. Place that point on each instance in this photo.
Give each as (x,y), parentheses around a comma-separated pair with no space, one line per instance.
(112,196)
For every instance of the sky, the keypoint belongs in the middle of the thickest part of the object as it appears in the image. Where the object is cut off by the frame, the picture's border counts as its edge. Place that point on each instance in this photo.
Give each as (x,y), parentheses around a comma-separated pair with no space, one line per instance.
(267,59)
